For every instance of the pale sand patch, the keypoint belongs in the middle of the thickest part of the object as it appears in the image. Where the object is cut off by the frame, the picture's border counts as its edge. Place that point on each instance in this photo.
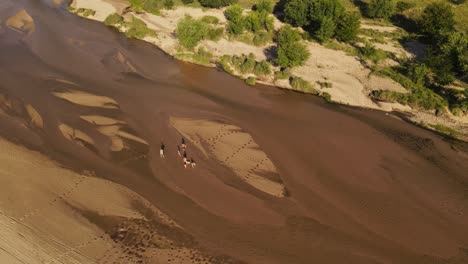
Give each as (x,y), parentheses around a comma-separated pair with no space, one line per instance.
(21,22)
(36,118)
(75,134)
(230,47)
(87,99)
(340,69)
(235,148)
(116,136)
(101,120)
(66,81)
(103,9)
(378,28)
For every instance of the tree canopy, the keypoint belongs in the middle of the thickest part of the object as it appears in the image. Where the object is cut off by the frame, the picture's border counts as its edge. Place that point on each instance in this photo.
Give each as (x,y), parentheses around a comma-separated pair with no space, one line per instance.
(291,53)
(323,19)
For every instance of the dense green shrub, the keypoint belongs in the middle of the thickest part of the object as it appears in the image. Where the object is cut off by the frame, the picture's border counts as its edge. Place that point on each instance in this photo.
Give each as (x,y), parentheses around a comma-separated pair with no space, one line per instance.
(186,2)
(86,12)
(282,75)
(417,72)
(235,19)
(371,53)
(250,81)
(191,31)
(252,22)
(296,12)
(169,4)
(347,27)
(449,58)
(291,52)
(264,6)
(138,29)
(327,97)
(326,29)
(380,8)
(267,21)
(437,19)
(210,20)
(215,34)
(320,9)
(248,65)
(216,3)
(458,2)
(113,19)
(299,84)
(287,35)
(262,68)
(403,6)
(261,38)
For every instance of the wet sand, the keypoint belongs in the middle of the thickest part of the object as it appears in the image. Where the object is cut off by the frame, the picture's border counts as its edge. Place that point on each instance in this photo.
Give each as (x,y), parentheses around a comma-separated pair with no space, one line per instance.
(360,186)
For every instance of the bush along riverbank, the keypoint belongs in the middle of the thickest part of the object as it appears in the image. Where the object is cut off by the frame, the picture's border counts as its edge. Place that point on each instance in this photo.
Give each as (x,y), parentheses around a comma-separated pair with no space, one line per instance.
(349,56)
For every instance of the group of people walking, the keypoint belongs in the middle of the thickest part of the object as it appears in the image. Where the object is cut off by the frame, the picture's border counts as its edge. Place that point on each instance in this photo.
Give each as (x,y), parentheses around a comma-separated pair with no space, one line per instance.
(181,152)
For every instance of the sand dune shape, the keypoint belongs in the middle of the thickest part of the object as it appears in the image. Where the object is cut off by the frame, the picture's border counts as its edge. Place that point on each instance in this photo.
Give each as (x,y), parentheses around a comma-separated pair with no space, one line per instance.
(234,148)
(75,134)
(116,135)
(101,120)
(36,118)
(21,22)
(87,99)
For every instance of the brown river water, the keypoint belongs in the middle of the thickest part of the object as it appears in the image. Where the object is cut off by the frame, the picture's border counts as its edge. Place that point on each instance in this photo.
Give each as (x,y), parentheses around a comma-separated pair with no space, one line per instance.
(364,187)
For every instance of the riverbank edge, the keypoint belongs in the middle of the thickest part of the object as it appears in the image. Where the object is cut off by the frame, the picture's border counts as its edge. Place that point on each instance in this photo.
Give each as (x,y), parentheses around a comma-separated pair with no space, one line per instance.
(421,118)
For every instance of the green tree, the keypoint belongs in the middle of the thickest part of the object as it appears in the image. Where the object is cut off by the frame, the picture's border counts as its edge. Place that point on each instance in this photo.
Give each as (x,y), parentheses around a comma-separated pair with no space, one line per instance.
(191,31)
(296,12)
(186,2)
(458,2)
(264,6)
(291,52)
(380,9)
(455,47)
(347,27)
(326,29)
(320,9)
(436,20)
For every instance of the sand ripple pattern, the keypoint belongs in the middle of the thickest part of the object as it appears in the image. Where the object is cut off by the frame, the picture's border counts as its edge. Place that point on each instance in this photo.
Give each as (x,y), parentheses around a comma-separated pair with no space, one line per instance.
(234,148)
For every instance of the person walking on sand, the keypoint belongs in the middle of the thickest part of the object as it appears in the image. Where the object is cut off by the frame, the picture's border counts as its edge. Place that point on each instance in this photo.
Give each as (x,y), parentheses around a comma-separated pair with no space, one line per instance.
(161,150)
(178,150)
(193,162)
(183,144)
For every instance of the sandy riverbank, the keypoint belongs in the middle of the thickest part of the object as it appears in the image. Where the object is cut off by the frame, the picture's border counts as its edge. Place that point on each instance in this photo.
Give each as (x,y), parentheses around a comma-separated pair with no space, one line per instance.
(351,82)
